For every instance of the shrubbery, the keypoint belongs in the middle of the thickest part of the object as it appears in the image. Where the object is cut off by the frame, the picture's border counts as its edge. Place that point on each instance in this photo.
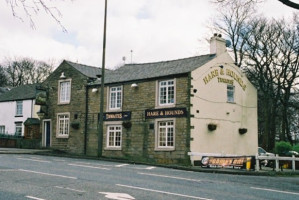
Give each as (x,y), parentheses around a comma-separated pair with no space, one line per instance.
(296,148)
(281,148)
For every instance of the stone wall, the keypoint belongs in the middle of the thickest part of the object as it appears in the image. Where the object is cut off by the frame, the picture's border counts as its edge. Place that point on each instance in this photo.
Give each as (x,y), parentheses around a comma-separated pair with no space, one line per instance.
(138,142)
(75,142)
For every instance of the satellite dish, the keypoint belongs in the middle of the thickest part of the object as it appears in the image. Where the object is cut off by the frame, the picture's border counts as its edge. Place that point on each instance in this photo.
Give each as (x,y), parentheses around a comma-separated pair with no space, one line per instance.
(228,43)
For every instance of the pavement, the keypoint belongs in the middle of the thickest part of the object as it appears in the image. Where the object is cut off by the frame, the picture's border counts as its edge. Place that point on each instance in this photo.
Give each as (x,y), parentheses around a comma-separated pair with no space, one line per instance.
(265,171)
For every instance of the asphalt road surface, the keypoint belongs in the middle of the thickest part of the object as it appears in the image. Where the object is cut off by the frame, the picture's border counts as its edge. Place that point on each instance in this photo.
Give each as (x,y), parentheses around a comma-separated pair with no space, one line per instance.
(25,177)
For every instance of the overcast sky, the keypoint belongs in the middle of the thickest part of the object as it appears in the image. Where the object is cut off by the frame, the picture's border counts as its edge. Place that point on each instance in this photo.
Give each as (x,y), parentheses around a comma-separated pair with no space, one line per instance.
(155,30)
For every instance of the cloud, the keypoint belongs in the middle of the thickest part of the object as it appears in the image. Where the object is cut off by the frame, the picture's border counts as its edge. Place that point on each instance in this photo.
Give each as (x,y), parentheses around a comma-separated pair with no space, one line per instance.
(155,30)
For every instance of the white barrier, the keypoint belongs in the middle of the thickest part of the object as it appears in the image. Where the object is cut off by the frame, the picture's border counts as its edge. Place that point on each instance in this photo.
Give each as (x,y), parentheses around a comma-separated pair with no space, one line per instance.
(277,159)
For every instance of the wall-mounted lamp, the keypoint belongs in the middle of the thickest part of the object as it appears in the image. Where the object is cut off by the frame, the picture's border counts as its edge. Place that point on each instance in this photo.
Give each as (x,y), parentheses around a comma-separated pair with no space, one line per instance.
(221,66)
(134,85)
(94,90)
(62,76)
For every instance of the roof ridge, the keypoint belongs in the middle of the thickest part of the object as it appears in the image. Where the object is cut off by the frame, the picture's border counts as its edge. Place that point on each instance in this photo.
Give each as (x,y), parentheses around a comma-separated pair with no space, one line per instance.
(81,64)
(166,61)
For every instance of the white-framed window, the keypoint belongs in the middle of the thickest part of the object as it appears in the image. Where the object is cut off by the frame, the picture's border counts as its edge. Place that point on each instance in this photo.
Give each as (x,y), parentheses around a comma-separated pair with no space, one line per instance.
(165,134)
(2,129)
(166,94)
(19,108)
(63,125)
(114,136)
(18,128)
(64,92)
(115,98)
(230,93)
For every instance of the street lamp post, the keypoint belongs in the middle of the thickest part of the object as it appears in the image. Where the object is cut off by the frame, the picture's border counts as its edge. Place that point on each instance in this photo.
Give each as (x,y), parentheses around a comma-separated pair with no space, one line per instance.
(101,120)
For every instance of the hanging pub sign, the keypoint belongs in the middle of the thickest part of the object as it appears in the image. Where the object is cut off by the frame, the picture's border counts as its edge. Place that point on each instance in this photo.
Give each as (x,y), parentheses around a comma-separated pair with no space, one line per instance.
(117,116)
(165,113)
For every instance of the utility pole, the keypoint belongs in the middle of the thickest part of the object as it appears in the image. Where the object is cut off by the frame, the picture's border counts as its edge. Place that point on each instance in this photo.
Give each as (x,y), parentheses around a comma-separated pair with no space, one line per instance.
(101,120)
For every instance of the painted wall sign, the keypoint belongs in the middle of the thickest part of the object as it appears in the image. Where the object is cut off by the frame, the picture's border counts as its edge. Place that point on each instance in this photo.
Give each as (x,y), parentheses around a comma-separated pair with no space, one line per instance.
(117,116)
(221,73)
(166,113)
(225,162)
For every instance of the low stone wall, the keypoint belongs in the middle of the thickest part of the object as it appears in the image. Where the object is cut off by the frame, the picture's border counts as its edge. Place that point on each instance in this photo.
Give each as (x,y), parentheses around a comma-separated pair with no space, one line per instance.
(20,143)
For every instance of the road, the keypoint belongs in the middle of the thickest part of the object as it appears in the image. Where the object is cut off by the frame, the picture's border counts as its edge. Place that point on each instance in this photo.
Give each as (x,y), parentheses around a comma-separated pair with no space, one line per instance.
(25,177)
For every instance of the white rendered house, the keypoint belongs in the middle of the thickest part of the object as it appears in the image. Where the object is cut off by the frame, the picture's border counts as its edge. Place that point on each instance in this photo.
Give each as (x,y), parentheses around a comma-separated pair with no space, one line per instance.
(16,106)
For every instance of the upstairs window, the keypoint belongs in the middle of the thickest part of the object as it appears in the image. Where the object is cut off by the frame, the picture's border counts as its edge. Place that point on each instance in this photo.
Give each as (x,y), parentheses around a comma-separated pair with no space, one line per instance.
(115,98)
(64,91)
(166,93)
(19,108)
(230,93)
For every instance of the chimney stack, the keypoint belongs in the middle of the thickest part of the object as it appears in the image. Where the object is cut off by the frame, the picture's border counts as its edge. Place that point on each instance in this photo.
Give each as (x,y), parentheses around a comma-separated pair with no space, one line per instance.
(217,44)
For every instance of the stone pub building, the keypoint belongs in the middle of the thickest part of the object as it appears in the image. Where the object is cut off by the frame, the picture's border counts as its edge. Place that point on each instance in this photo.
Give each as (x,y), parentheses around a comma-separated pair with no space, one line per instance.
(169,112)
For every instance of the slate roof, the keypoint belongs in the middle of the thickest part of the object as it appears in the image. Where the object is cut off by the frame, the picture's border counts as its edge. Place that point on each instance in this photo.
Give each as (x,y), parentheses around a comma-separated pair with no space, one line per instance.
(88,71)
(134,72)
(22,92)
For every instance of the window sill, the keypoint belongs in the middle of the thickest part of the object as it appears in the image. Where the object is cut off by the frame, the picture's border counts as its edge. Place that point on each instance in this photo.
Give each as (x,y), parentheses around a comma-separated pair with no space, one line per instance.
(62,136)
(114,110)
(113,148)
(232,102)
(64,103)
(19,116)
(165,106)
(165,149)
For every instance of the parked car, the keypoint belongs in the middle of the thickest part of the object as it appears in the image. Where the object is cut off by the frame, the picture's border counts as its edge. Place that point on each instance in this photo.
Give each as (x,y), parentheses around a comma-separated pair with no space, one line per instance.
(291,153)
(263,152)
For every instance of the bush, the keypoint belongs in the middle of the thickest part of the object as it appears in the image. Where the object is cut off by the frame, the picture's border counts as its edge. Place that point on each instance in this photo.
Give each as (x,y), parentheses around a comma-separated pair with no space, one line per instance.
(296,148)
(282,147)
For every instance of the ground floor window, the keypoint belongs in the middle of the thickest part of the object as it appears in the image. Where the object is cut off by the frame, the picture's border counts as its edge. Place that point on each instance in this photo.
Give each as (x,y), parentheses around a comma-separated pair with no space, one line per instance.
(18,130)
(63,124)
(165,135)
(114,136)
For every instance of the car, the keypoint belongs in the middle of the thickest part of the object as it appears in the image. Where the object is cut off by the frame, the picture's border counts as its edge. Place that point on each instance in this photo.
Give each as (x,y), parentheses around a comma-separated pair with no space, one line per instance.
(291,153)
(263,152)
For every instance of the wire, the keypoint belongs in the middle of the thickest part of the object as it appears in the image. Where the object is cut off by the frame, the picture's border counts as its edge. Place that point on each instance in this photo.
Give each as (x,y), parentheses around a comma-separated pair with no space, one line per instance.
(224,102)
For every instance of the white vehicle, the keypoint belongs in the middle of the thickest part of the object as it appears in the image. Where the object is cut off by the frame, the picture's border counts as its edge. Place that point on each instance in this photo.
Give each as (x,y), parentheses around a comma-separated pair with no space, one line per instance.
(263,152)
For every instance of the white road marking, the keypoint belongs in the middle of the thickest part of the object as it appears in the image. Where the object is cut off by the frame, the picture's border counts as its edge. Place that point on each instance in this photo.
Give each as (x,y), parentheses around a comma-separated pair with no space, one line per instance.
(163,192)
(59,160)
(47,174)
(271,190)
(35,160)
(149,168)
(122,165)
(67,188)
(117,196)
(31,197)
(88,166)
(174,177)
(87,163)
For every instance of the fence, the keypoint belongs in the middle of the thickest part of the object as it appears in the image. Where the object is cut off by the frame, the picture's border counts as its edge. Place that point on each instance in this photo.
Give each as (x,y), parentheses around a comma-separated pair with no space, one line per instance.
(276,158)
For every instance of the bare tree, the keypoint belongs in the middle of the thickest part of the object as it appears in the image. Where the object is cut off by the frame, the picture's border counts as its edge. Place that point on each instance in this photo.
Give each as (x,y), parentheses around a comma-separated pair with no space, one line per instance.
(33,7)
(3,77)
(272,57)
(26,71)
(232,22)
(289,3)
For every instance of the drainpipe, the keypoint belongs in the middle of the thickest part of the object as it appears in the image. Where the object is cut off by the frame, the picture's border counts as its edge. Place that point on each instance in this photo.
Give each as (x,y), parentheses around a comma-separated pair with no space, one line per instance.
(86,119)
